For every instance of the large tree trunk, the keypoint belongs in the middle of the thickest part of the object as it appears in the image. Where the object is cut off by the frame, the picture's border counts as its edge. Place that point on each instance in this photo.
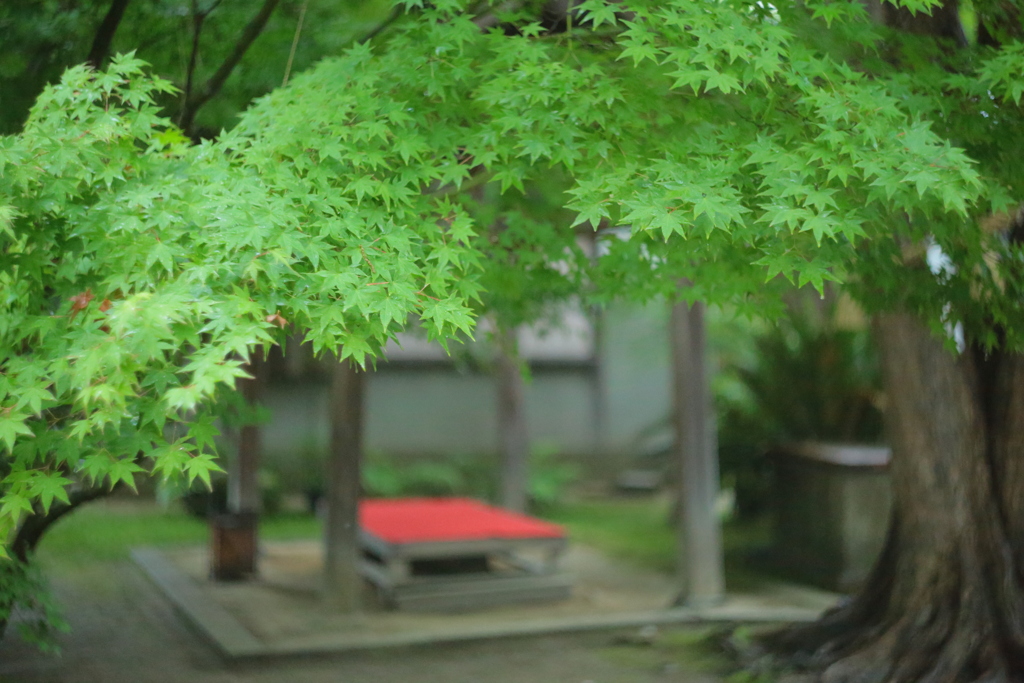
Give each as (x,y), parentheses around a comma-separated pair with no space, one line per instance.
(945,600)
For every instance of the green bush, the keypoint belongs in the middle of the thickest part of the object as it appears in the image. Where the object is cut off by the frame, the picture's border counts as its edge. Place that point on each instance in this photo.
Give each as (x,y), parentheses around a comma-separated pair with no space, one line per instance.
(23,591)
(389,479)
(812,381)
(473,476)
(807,379)
(202,502)
(549,479)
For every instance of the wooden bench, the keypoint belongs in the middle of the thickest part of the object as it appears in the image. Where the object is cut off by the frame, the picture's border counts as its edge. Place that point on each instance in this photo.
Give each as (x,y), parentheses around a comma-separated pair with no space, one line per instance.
(451,554)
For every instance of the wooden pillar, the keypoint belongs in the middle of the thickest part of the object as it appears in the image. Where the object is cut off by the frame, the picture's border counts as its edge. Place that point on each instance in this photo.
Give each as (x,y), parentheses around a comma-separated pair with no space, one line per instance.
(234,536)
(243,479)
(342,554)
(513,440)
(296,357)
(599,389)
(699,554)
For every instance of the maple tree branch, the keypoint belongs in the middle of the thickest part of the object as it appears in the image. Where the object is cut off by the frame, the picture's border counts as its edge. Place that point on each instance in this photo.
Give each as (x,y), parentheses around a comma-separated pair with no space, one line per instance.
(212,86)
(490,19)
(100,50)
(376,30)
(477,177)
(35,525)
(193,59)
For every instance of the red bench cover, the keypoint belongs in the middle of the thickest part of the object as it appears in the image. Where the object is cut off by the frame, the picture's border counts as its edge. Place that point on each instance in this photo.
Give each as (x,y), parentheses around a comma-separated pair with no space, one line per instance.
(425,520)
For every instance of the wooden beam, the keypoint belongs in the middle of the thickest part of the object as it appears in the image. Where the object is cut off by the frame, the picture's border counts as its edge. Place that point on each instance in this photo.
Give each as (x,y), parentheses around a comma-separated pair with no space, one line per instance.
(699,554)
(342,554)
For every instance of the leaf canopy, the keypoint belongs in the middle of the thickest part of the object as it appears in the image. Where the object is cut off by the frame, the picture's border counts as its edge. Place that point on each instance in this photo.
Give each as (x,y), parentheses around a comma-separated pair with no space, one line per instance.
(442,169)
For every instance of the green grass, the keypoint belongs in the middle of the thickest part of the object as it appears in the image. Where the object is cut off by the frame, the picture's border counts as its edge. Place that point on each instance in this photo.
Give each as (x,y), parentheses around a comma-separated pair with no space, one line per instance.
(108,530)
(638,531)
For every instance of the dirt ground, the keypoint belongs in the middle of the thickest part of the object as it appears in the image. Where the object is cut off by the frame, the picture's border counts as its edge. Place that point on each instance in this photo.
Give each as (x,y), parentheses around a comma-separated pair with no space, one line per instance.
(124,631)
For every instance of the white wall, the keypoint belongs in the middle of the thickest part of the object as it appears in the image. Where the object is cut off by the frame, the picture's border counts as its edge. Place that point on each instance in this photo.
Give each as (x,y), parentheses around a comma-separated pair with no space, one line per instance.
(585,409)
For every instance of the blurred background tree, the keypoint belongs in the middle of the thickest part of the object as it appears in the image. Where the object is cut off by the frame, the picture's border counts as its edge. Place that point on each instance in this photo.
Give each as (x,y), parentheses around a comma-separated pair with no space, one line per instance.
(244,49)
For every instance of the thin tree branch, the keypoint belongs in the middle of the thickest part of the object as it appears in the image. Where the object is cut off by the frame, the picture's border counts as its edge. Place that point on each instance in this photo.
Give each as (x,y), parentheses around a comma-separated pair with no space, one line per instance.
(193,59)
(251,31)
(295,43)
(480,176)
(100,50)
(490,19)
(376,30)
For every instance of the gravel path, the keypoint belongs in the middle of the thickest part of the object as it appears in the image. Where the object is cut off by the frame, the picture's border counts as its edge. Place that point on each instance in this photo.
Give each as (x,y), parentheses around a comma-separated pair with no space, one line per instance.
(124,631)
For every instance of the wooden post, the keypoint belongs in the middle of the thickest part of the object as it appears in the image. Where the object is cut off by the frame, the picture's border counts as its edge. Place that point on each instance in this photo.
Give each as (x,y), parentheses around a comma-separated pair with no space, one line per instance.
(513,440)
(699,553)
(342,554)
(243,480)
(234,534)
(599,389)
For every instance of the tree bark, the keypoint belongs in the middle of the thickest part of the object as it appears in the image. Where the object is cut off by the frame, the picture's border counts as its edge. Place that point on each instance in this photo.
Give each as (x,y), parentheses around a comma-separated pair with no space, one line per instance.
(513,439)
(699,544)
(945,601)
(342,553)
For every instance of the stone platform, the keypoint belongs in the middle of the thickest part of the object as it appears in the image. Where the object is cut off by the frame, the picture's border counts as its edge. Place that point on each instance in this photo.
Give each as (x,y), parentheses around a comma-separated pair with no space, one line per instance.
(280,612)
